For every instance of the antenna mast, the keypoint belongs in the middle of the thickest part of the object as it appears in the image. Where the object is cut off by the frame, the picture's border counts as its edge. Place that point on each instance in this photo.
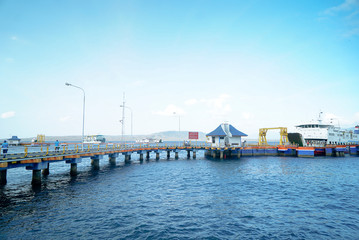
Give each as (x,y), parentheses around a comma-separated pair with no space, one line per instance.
(123,116)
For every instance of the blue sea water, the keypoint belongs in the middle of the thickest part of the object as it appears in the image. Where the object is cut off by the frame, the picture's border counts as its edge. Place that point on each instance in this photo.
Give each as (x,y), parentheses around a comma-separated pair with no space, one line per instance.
(247,198)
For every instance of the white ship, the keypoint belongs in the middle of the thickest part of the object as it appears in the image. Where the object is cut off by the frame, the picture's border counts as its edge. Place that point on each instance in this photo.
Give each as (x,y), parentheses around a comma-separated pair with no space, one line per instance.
(148,140)
(319,134)
(95,139)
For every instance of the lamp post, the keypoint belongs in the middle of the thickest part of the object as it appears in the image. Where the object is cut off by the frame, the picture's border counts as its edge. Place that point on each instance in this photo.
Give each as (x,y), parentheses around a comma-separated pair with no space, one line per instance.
(131,118)
(179,128)
(83,111)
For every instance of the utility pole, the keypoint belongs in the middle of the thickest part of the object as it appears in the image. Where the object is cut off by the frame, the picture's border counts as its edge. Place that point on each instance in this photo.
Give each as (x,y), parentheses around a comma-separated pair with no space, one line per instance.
(123,116)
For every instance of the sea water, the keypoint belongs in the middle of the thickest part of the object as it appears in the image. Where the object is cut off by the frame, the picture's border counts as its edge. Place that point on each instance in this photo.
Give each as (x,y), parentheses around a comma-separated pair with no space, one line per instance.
(247,198)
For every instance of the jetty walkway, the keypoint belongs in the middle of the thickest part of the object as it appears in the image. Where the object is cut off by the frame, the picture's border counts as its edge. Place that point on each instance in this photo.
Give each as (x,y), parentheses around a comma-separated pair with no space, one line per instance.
(38,159)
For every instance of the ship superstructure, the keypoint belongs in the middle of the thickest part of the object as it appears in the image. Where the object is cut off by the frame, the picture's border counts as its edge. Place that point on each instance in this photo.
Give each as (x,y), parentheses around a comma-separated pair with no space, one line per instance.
(317,133)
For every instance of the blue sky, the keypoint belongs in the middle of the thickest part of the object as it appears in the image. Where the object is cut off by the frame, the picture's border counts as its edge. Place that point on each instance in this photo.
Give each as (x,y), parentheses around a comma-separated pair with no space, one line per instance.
(253,63)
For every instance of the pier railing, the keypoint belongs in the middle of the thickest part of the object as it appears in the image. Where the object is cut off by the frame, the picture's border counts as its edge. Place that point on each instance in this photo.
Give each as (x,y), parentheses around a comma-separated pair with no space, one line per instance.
(41,151)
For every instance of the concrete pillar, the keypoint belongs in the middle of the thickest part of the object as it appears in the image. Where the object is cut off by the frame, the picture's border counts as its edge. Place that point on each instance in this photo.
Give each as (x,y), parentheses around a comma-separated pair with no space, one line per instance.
(239,154)
(73,170)
(194,155)
(127,159)
(46,171)
(36,177)
(221,155)
(95,162)
(112,160)
(3,174)
(157,155)
(214,154)
(141,157)
(168,154)
(176,155)
(147,155)
(188,154)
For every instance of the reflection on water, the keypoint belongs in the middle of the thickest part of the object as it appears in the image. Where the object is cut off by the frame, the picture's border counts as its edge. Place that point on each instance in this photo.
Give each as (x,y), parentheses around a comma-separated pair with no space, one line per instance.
(264,197)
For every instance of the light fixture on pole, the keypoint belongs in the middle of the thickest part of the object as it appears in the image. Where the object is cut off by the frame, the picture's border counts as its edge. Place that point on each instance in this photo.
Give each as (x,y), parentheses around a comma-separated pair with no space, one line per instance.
(83,111)
(179,128)
(131,118)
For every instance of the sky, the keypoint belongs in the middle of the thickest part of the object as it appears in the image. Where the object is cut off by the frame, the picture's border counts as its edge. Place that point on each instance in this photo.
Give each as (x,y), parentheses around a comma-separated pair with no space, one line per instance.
(186,65)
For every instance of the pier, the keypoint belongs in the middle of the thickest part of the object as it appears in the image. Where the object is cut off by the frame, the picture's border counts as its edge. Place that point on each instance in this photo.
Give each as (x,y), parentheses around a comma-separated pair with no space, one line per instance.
(39,161)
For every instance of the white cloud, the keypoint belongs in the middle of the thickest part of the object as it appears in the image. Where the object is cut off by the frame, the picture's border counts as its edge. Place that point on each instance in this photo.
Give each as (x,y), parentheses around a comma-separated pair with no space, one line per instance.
(170,110)
(347,5)
(14,38)
(8,114)
(247,115)
(191,101)
(65,118)
(339,120)
(219,106)
(138,83)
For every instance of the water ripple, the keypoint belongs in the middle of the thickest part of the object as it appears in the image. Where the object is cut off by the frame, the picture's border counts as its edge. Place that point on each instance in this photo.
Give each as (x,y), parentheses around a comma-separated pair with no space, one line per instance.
(253,198)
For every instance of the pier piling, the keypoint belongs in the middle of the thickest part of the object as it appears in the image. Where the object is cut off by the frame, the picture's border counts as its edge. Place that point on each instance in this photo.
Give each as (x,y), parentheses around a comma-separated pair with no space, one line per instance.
(36,177)
(46,171)
(112,160)
(73,162)
(127,158)
(3,174)
(73,170)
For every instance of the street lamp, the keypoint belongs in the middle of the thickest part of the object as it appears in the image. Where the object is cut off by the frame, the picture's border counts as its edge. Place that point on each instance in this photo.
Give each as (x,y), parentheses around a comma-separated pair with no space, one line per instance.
(179,128)
(131,118)
(83,112)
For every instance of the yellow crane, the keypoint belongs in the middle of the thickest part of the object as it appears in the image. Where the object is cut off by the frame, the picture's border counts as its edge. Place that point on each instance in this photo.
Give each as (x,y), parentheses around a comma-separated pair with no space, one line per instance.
(40,138)
(263,132)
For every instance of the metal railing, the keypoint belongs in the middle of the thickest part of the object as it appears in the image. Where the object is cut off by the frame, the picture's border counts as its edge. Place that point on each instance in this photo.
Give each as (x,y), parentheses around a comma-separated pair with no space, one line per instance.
(68,149)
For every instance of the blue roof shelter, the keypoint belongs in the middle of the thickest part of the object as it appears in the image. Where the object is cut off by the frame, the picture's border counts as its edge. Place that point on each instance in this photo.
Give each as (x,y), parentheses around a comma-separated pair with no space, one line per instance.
(225,135)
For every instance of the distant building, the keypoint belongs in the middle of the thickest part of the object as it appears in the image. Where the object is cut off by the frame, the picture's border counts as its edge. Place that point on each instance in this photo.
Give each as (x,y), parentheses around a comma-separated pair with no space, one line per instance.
(225,135)
(14,141)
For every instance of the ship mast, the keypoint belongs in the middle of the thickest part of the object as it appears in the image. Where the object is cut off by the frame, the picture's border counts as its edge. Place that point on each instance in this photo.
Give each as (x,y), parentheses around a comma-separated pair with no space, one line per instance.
(320,117)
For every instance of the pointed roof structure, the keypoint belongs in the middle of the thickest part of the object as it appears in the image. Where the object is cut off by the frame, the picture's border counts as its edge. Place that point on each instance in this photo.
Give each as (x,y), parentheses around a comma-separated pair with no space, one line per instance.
(14,138)
(235,132)
(217,132)
(231,131)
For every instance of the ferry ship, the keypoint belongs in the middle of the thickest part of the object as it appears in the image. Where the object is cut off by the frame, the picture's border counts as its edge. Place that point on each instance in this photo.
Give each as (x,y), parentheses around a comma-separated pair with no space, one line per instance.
(148,140)
(95,139)
(319,134)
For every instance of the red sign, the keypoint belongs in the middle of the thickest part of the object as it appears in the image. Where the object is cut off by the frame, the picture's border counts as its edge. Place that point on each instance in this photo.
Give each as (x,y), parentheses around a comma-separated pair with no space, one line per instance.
(192,135)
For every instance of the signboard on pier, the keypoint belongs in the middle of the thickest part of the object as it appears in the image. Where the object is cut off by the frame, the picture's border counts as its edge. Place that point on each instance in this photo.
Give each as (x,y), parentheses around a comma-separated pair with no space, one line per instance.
(193,135)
